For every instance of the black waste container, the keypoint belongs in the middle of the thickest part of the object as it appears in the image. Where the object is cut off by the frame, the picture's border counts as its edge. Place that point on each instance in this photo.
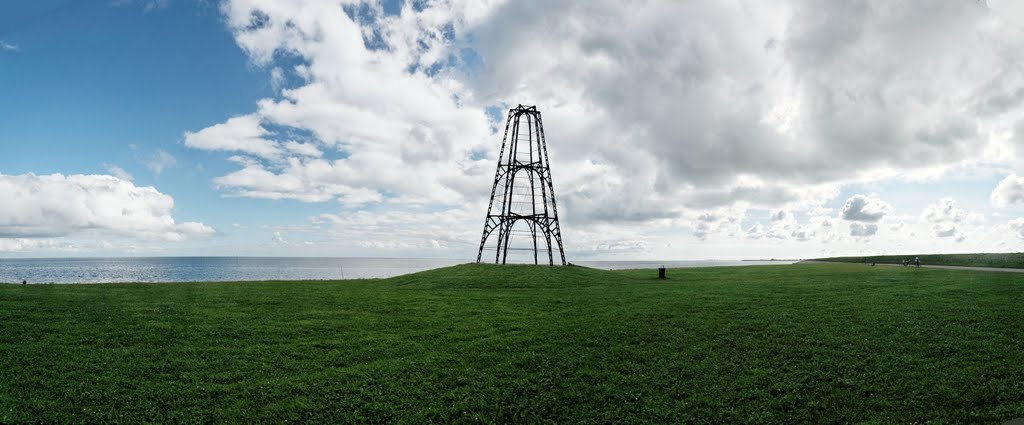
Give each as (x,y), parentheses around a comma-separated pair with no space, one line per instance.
(661,272)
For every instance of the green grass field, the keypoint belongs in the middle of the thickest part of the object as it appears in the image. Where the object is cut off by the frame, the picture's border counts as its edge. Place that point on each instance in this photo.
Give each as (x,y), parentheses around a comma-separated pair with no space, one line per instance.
(1013,260)
(819,343)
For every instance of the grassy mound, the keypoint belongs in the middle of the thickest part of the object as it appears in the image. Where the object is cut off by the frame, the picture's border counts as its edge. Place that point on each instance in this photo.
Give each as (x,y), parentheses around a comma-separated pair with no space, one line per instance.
(511,276)
(474,343)
(1013,260)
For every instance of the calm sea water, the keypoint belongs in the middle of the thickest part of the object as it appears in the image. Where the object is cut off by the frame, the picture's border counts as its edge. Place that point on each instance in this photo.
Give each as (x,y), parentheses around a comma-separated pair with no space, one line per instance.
(192,269)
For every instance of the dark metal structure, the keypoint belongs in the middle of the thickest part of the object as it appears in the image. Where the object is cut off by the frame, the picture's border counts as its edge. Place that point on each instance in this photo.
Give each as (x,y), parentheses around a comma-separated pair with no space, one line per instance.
(527,218)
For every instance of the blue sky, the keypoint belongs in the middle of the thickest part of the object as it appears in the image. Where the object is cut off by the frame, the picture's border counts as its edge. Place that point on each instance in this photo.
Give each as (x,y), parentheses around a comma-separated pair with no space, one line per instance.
(90,81)
(94,84)
(683,131)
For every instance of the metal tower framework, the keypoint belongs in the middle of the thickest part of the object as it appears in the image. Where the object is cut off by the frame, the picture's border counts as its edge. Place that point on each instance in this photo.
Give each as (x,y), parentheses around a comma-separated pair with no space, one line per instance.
(526,202)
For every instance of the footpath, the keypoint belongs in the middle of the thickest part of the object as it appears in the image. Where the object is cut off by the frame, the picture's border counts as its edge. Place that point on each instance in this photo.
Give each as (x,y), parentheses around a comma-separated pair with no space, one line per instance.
(980,269)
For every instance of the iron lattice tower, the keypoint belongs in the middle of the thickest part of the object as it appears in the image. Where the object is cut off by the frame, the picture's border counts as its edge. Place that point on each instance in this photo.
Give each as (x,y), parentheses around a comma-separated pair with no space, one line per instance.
(526,202)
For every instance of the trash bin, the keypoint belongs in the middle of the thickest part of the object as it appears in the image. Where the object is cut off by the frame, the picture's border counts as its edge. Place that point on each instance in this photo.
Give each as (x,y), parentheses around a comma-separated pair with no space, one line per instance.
(661,272)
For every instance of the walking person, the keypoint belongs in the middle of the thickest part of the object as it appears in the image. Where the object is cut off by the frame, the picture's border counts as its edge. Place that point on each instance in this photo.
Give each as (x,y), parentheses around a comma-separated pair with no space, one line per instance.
(917,262)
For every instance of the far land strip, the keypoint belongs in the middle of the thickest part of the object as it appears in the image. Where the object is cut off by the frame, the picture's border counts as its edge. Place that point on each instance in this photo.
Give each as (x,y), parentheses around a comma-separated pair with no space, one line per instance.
(929,266)
(982,261)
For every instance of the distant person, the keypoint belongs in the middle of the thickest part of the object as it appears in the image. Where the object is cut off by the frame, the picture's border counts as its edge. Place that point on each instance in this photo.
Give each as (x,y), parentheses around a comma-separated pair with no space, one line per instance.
(917,261)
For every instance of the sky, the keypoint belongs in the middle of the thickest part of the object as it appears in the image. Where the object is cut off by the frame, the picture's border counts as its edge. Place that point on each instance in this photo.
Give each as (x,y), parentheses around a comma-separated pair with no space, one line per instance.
(676,130)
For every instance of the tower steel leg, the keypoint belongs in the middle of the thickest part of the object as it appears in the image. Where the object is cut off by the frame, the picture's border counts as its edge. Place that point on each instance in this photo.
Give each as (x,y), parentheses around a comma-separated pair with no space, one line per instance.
(540,215)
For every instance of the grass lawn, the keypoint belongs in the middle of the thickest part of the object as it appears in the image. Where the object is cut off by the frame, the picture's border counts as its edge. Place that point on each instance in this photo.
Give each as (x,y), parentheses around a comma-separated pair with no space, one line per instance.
(1013,260)
(818,343)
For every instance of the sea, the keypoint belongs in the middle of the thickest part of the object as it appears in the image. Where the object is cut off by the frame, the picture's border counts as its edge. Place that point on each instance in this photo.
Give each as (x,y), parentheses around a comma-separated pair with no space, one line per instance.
(216,269)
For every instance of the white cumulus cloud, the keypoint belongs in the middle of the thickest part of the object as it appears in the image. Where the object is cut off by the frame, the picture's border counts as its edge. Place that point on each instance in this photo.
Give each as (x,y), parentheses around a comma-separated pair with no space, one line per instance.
(948,219)
(304,149)
(865,209)
(242,134)
(371,96)
(55,206)
(944,211)
(1009,191)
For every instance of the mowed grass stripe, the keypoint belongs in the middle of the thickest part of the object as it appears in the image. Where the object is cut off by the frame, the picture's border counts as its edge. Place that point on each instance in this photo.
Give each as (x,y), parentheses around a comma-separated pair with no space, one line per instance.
(801,343)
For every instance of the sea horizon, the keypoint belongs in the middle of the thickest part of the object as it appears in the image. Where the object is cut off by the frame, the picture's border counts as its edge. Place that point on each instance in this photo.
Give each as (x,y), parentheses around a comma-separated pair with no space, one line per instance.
(171,269)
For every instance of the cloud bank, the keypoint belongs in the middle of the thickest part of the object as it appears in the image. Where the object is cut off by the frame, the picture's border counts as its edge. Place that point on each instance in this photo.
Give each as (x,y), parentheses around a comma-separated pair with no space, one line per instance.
(39,209)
